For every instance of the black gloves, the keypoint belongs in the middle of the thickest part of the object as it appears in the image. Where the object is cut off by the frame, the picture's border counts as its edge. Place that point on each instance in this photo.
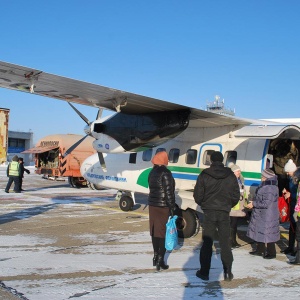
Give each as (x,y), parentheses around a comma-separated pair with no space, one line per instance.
(27,171)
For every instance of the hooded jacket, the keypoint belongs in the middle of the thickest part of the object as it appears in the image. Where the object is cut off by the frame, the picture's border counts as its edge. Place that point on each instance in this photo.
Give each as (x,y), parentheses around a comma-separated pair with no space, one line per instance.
(217,188)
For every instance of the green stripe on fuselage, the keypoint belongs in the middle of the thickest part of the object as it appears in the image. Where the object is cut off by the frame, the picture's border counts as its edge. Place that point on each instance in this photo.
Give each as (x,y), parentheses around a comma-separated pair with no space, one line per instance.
(143,178)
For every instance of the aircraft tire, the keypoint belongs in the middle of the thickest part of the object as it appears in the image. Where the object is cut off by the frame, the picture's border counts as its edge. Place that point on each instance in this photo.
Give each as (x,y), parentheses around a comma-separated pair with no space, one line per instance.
(188,223)
(76,182)
(126,203)
(72,182)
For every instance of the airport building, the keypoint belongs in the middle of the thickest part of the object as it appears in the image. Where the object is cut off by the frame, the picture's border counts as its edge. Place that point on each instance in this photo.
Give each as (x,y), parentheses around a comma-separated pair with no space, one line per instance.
(18,142)
(13,142)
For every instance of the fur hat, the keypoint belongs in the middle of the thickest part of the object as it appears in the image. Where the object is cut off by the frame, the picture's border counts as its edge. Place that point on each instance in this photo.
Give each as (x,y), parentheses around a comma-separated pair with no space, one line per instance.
(15,158)
(267,173)
(160,158)
(216,156)
(235,168)
(290,166)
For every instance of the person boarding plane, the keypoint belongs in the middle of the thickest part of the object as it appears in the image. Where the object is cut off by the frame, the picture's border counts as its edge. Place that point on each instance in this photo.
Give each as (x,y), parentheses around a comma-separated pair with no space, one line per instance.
(142,126)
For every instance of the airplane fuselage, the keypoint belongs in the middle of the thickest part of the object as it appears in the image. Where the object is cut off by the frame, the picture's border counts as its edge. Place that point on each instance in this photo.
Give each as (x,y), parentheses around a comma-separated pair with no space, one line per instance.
(128,173)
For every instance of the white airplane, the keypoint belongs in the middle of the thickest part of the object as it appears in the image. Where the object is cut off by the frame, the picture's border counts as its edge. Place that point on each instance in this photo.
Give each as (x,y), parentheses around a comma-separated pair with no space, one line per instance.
(141,126)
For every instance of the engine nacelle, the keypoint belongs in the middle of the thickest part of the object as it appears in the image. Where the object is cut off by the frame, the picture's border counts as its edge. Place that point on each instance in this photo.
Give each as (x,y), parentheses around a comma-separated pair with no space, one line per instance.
(132,133)
(106,144)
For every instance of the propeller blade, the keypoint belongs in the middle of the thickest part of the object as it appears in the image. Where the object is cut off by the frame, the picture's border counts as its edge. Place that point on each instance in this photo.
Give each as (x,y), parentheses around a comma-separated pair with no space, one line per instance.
(74,146)
(80,114)
(102,162)
(99,114)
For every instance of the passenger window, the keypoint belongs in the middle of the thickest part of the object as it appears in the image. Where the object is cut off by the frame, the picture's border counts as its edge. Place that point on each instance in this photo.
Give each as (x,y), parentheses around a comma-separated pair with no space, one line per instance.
(132,158)
(147,155)
(160,150)
(206,157)
(174,155)
(191,156)
(230,158)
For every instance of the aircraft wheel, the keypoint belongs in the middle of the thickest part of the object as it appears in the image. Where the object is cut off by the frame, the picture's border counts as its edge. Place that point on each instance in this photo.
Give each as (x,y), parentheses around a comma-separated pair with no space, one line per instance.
(77,182)
(188,223)
(126,203)
(72,182)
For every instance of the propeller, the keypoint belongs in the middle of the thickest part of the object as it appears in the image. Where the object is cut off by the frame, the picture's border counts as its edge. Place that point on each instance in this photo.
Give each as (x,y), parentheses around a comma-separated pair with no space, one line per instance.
(88,131)
(74,146)
(84,118)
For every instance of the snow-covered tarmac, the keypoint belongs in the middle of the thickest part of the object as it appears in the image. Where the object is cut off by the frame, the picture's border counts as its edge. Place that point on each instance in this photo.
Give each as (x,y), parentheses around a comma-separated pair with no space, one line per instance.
(62,243)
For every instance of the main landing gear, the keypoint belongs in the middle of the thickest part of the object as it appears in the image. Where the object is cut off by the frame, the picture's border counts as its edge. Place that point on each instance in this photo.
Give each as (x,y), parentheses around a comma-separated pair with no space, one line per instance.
(188,223)
(126,200)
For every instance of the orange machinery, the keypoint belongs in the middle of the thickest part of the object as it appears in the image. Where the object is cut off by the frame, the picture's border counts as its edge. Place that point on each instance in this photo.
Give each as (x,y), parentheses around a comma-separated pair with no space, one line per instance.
(50,162)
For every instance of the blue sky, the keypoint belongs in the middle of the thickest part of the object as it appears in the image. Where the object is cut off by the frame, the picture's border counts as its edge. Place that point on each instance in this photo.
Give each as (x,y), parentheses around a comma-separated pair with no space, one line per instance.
(179,51)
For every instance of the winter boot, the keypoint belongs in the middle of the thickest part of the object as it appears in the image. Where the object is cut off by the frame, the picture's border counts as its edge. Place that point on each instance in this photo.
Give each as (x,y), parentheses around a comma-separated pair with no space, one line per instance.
(160,264)
(292,237)
(228,276)
(297,259)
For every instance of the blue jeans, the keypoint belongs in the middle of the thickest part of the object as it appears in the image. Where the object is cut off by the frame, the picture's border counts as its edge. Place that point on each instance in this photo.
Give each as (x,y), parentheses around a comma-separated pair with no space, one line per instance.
(220,221)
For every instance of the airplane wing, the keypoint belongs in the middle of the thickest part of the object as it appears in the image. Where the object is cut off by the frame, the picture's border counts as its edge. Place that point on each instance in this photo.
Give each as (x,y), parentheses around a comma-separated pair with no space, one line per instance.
(44,84)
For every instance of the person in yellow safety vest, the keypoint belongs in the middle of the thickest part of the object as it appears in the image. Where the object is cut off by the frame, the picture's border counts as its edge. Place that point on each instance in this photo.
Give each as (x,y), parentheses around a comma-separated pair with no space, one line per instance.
(22,170)
(13,172)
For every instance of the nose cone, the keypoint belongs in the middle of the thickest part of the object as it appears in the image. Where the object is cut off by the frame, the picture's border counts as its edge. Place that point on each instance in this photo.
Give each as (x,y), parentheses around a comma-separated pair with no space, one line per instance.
(87,129)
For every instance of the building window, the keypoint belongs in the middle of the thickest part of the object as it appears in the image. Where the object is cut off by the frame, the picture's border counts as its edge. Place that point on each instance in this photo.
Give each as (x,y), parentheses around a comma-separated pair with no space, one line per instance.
(18,143)
(15,145)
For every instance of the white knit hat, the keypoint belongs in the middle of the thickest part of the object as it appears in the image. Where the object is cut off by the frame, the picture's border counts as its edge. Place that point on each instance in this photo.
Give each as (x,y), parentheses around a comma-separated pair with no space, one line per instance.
(290,166)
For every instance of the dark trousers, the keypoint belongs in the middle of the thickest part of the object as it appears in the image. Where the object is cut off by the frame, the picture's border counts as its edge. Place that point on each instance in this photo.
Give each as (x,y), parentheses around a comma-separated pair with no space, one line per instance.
(298,232)
(20,182)
(16,181)
(293,226)
(261,247)
(220,221)
(233,227)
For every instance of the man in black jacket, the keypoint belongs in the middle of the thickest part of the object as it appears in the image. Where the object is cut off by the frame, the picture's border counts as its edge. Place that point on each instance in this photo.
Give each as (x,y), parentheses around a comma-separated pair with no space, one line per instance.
(216,191)
(22,170)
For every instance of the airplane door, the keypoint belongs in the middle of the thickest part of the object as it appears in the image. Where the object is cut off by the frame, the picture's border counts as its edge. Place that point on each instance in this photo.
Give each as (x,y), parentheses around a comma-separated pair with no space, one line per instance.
(205,152)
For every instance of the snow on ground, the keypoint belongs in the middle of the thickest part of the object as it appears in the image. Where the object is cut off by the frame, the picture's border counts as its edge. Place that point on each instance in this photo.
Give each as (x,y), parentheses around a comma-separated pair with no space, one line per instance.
(119,262)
